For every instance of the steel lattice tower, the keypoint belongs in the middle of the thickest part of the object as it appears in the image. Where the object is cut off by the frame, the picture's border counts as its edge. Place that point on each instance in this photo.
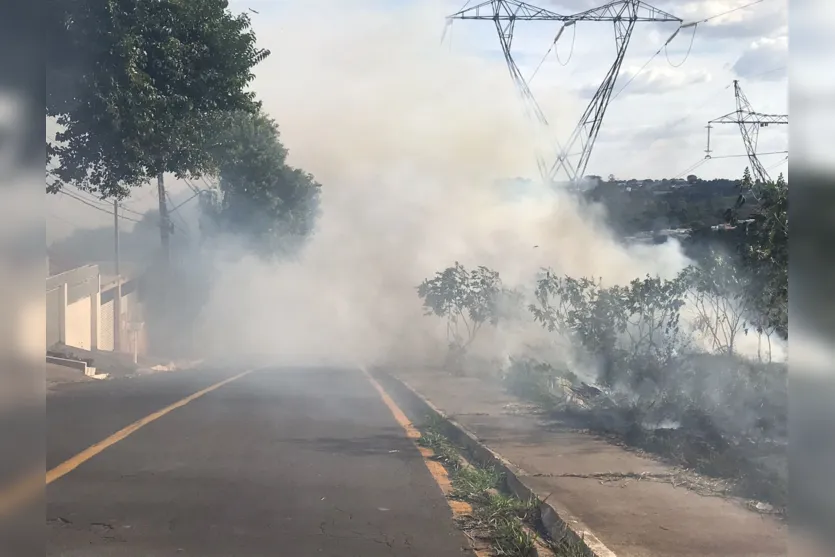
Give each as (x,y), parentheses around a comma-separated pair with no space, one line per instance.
(749,122)
(623,14)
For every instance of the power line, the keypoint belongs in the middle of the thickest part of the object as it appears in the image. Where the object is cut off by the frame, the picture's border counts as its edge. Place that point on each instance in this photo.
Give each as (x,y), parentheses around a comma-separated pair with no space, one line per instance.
(686,55)
(168,198)
(773,166)
(705,159)
(657,52)
(636,74)
(191,186)
(141,197)
(556,52)
(691,168)
(745,155)
(693,24)
(186,201)
(102,203)
(731,11)
(756,75)
(96,207)
(673,123)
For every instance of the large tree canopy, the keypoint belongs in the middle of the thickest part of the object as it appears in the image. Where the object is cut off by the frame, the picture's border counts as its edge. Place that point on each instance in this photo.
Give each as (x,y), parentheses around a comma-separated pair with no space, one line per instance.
(261,198)
(133,84)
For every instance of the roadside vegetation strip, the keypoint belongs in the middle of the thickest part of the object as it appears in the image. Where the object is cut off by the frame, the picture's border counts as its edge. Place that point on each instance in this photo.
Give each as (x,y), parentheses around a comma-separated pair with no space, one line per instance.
(509,526)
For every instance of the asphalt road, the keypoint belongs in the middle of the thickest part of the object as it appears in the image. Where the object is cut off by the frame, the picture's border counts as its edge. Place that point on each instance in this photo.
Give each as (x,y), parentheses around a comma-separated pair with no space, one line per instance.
(282,462)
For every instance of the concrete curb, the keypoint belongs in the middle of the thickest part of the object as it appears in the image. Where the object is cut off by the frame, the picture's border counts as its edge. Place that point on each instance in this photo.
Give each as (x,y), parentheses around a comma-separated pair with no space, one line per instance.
(72,364)
(558,521)
(79,365)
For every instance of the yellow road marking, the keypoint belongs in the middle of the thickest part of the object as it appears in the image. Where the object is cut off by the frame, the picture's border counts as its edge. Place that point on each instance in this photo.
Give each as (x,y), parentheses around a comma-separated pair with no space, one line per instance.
(439,473)
(71,464)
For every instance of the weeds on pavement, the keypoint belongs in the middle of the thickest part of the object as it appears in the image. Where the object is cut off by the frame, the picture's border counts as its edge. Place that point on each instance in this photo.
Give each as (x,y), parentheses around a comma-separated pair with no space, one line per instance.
(511,525)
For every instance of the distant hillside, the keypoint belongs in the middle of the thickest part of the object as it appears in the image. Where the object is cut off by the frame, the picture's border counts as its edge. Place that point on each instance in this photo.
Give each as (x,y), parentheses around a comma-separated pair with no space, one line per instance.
(637,206)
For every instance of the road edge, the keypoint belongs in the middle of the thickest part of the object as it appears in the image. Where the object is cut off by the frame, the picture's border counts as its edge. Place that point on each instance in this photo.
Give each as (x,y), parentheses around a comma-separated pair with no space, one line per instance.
(557,519)
(435,468)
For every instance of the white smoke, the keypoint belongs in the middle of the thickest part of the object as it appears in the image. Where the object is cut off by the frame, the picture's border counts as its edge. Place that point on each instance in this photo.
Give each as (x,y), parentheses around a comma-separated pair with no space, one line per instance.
(410,142)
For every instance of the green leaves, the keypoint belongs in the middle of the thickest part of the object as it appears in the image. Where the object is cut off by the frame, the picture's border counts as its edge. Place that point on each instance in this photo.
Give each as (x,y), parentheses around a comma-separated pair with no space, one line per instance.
(464,298)
(626,326)
(135,84)
(764,249)
(259,197)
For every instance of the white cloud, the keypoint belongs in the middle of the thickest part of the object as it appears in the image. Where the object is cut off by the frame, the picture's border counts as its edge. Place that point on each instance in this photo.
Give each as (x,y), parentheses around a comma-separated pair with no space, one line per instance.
(765,59)
(741,20)
(653,81)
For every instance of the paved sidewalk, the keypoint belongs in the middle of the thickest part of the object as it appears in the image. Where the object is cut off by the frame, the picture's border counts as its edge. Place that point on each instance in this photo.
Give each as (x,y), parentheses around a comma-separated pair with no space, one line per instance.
(594,481)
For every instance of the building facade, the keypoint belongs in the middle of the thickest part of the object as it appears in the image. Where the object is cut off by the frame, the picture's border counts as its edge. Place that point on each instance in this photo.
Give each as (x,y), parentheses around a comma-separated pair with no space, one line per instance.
(81,312)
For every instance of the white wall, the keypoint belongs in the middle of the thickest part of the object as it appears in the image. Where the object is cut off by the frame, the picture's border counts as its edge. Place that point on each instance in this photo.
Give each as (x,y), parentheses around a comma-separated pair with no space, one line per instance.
(72,308)
(78,325)
(82,315)
(106,333)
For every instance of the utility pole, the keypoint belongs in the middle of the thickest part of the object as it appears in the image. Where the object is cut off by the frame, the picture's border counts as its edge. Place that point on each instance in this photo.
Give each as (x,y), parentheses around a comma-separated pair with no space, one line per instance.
(117,299)
(164,224)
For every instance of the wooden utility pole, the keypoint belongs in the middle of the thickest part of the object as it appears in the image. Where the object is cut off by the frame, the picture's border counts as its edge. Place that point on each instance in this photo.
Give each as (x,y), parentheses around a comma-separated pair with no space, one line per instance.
(117,299)
(164,221)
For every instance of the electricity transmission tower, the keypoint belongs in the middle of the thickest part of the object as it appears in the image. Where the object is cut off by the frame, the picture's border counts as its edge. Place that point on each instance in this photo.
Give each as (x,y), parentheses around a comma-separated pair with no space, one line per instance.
(749,123)
(623,14)
(505,14)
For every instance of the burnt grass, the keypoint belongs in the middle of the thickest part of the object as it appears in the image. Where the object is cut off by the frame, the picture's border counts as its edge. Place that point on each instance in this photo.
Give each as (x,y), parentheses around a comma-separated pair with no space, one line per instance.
(749,466)
(700,447)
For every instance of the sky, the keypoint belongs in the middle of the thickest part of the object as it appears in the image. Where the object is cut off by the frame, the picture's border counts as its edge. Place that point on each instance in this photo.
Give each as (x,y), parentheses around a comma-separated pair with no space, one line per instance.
(346,67)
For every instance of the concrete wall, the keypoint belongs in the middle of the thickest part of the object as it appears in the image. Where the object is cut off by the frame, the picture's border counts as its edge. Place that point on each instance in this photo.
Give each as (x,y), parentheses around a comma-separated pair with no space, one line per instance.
(53,314)
(72,308)
(80,313)
(106,328)
(78,324)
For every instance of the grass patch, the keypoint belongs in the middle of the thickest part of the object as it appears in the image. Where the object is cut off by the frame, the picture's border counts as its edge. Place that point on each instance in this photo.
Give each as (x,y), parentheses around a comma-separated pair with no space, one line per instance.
(510,537)
(471,483)
(511,526)
(432,438)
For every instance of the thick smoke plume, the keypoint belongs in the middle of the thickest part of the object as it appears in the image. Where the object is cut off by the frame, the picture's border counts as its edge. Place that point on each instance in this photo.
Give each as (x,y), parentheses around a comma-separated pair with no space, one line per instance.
(411,143)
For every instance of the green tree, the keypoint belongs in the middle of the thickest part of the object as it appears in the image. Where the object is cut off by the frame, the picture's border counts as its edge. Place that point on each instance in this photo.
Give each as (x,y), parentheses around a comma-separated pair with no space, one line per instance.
(466,300)
(133,85)
(764,248)
(766,252)
(259,197)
